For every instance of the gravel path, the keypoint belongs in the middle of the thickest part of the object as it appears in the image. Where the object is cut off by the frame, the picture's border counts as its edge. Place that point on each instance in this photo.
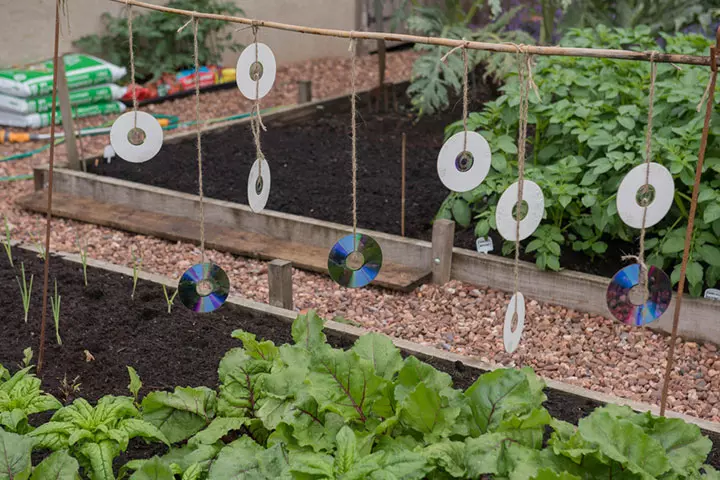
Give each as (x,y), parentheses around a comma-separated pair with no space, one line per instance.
(563,344)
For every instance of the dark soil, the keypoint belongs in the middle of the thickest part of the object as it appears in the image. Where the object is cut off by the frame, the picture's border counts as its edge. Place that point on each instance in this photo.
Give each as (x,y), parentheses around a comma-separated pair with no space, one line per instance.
(311,173)
(167,350)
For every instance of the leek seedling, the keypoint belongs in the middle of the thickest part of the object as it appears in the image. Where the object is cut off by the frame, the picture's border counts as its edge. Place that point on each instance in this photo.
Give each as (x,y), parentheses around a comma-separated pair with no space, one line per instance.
(55,305)
(8,250)
(40,248)
(83,258)
(137,262)
(168,299)
(25,290)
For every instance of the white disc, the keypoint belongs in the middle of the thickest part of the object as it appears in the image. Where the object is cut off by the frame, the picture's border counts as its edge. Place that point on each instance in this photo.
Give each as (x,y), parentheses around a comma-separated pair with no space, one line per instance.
(128,151)
(506,222)
(245,81)
(258,192)
(630,211)
(455,175)
(511,338)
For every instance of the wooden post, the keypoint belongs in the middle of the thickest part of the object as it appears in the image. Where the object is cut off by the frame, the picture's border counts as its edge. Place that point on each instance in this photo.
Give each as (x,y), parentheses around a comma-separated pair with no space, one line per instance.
(67,119)
(443,235)
(39,179)
(402,186)
(304,91)
(280,284)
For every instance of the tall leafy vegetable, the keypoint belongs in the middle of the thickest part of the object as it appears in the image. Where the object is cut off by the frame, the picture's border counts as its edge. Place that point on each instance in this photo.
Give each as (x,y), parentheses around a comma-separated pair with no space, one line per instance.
(21,396)
(587,133)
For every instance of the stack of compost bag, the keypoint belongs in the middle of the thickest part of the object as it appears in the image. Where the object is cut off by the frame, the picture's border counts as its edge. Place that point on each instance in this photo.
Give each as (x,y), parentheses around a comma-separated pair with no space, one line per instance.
(26,93)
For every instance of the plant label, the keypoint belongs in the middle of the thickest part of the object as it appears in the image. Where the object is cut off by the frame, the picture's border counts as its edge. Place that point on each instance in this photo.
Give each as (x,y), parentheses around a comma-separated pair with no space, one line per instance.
(712,294)
(108,153)
(484,245)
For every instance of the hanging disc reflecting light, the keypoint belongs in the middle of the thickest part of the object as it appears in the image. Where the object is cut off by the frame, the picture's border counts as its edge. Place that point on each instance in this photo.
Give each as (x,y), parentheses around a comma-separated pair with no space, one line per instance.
(625,297)
(136,144)
(511,338)
(355,267)
(204,287)
(462,170)
(248,70)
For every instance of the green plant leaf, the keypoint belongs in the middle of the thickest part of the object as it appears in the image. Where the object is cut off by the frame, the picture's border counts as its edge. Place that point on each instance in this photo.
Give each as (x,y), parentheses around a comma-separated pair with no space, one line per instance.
(58,466)
(694,273)
(100,457)
(135,383)
(14,456)
(381,352)
(684,444)
(154,469)
(217,429)
(307,331)
(423,411)
(506,144)
(180,414)
(710,254)
(711,213)
(258,350)
(346,450)
(461,212)
(673,244)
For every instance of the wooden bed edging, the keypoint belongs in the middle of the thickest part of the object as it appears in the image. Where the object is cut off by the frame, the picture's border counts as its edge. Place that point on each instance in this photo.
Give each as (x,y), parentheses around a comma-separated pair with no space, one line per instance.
(700,318)
(421,351)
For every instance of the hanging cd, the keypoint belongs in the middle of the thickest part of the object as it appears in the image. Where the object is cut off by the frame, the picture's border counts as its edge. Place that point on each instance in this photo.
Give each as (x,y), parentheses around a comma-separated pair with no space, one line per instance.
(533,201)
(511,338)
(136,144)
(259,185)
(248,70)
(355,261)
(203,287)
(632,196)
(462,170)
(622,291)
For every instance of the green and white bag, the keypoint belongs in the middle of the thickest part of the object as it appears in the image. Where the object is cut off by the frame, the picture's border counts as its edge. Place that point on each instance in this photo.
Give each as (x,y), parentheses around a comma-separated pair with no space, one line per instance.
(81,71)
(82,96)
(38,120)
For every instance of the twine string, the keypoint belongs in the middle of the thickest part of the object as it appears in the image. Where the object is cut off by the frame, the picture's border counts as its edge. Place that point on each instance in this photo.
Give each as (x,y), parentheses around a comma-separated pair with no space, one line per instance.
(132,60)
(257,124)
(199,129)
(353,127)
(465,99)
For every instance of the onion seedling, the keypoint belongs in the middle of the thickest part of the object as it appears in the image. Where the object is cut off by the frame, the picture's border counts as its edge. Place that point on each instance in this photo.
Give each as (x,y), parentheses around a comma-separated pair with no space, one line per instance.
(39,247)
(137,262)
(55,305)
(8,250)
(168,299)
(83,258)
(25,290)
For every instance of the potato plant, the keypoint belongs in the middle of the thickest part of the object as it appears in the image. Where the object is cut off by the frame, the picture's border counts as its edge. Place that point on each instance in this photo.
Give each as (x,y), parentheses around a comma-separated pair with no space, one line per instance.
(586,133)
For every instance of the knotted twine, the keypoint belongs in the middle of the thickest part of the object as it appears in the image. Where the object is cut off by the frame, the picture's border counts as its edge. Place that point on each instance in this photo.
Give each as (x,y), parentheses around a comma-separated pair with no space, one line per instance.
(256,123)
(132,59)
(640,257)
(466,96)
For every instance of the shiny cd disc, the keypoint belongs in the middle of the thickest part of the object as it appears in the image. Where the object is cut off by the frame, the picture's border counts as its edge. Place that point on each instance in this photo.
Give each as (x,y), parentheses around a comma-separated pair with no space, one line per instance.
(258,185)
(462,170)
(136,144)
(619,295)
(355,261)
(659,199)
(256,60)
(511,338)
(203,287)
(506,221)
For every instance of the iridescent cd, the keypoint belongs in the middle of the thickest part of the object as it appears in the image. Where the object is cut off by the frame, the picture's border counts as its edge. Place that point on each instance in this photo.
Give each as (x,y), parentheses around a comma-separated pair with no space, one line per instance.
(621,292)
(355,261)
(203,287)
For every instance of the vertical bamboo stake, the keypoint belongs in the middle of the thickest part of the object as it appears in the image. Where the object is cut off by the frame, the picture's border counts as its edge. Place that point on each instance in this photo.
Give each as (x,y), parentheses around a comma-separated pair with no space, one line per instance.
(46,274)
(67,118)
(402,186)
(691,221)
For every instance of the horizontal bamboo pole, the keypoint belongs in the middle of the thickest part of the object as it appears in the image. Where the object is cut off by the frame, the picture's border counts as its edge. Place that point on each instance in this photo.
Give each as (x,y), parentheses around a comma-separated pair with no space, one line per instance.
(446,42)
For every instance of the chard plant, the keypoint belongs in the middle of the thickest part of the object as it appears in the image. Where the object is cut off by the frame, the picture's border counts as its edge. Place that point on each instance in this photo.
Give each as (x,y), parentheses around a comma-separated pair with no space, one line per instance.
(83,249)
(170,300)
(20,397)
(55,306)
(7,242)
(16,461)
(25,289)
(136,264)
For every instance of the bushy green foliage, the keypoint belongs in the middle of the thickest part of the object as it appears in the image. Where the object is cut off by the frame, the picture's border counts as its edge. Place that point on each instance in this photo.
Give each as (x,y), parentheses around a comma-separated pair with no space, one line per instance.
(159,48)
(20,397)
(433,81)
(586,133)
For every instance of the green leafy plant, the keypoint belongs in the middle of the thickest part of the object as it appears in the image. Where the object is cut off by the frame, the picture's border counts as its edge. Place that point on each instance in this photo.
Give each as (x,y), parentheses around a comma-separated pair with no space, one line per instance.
(159,48)
(170,300)
(16,461)
(136,264)
(27,357)
(434,80)
(7,243)
(83,249)
(95,435)
(135,384)
(20,397)
(55,306)
(586,133)
(25,290)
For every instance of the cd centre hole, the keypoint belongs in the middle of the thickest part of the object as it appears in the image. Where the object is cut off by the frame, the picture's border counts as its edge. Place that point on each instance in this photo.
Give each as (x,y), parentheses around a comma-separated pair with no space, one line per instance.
(204,288)
(645,195)
(464,161)
(259,185)
(523,211)
(256,71)
(637,295)
(136,136)
(355,261)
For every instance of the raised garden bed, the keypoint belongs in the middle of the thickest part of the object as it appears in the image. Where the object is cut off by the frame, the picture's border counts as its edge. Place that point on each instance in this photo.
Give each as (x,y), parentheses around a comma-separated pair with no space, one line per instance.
(183,348)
